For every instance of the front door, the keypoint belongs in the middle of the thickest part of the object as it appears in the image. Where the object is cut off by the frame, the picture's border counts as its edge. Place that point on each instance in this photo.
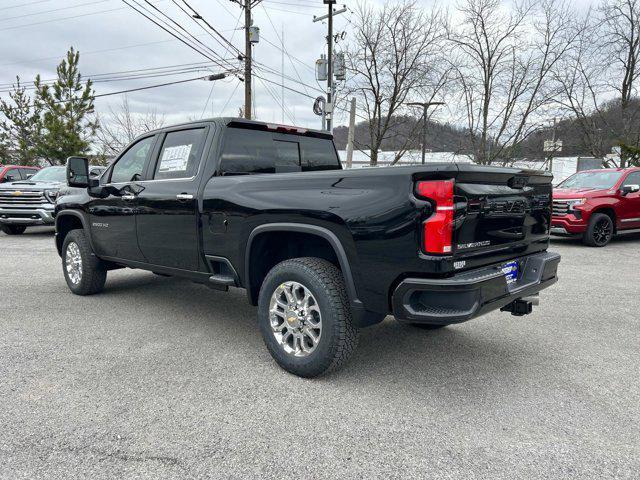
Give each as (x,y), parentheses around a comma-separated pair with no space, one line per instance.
(630,211)
(168,218)
(113,219)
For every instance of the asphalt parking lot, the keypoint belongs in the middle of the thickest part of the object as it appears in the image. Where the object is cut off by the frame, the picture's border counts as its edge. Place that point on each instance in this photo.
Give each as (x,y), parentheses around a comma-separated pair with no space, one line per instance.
(162,378)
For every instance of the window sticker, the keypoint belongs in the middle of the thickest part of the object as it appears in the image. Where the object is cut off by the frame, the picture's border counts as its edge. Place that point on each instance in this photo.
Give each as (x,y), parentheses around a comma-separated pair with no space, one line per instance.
(175,159)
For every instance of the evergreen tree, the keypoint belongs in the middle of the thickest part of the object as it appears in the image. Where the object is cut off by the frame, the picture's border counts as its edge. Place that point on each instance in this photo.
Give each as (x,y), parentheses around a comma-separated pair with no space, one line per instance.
(67,105)
(21,128)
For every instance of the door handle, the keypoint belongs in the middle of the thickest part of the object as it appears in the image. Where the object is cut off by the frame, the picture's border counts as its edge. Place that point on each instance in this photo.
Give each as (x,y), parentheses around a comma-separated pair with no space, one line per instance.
(184,197)
(128,197)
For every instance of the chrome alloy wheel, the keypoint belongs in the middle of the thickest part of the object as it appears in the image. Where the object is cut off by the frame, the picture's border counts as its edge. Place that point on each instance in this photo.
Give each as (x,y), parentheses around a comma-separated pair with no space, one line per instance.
(73,263)
(295,319)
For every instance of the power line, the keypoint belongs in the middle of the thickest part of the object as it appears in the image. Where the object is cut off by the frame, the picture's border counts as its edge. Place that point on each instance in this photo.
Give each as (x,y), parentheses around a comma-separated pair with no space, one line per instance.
(167,29)
(61,19)
(196,16)
(24,4)
(92,52)
(164,69)
(282,43)
(52,10)
(188,34)
(229,99)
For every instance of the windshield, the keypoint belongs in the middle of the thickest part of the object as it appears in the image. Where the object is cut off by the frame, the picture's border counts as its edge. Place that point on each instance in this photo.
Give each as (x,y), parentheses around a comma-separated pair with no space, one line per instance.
(598,180)
(50,174)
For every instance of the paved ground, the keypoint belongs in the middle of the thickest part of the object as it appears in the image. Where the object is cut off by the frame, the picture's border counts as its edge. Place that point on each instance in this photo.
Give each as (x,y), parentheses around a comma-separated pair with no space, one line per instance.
(161,378)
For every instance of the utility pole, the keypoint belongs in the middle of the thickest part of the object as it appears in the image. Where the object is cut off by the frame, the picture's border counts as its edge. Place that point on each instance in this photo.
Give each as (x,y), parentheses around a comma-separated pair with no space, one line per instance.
(555,133)
(425,108)
(282,71)
(329,108)
(352,133)
(330,69)
(247,59)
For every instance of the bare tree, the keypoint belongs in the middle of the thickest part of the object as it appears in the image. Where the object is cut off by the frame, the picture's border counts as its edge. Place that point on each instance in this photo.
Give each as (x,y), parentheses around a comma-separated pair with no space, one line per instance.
(393,57)
(601,76)
(504,62)
(122,126)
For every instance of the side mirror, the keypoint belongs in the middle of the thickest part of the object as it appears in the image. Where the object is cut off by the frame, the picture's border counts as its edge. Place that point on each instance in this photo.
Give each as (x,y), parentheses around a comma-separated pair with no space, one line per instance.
(9,178)
(30,175)
(78,172)
(627,189)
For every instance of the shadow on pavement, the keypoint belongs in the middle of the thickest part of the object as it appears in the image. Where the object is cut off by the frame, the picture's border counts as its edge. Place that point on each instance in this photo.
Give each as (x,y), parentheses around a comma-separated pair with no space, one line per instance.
(455,353)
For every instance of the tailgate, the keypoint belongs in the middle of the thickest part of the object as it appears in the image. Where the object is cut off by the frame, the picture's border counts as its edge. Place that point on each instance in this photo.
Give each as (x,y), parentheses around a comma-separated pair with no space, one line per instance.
(500,211)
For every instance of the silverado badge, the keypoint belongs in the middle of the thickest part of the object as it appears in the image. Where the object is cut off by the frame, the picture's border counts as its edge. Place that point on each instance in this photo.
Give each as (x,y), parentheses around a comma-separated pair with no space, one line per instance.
(16,193)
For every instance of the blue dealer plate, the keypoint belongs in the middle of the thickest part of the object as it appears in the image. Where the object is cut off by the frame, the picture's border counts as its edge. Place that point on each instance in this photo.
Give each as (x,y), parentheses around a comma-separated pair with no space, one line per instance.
(510,271)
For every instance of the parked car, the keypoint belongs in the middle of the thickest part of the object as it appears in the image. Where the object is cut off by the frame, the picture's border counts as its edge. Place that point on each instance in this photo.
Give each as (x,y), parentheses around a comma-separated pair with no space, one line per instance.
(30,202)
(12,173)
(597,204)
(321,251)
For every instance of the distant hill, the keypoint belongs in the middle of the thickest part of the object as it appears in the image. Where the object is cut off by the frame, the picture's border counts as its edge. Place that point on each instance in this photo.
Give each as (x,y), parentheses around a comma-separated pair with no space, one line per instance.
(440,137)
(449,138)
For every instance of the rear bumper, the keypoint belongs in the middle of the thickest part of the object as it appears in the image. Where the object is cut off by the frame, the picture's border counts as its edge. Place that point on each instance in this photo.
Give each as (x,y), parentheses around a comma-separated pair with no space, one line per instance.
(568,225)
(473,293)
(27,216)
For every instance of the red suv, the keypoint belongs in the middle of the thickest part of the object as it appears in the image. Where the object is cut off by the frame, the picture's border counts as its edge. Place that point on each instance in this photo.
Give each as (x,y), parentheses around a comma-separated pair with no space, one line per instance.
(13,173)
(597,204)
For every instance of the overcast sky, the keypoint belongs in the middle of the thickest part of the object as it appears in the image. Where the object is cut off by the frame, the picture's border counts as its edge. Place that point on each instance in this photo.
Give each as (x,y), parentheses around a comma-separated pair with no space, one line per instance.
(111,37)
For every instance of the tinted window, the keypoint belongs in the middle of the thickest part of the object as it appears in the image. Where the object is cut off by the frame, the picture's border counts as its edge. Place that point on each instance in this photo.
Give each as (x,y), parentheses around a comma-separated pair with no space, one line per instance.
(14,173)
(248,151)
(253,151)
(633,179)
(319,154)
(288,153)
(130,166)
(180,154)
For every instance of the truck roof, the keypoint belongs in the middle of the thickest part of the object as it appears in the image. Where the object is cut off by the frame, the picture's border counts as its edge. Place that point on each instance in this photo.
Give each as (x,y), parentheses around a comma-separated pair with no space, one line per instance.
(254,124)
(618,169)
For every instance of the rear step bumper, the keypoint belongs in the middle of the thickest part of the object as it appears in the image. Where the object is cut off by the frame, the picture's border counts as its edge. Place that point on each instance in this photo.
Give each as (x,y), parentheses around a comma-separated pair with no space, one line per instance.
(473,293)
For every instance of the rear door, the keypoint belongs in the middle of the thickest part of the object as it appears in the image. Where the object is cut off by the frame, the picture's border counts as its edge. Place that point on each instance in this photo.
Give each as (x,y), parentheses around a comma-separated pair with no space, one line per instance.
(113,219)
(501,212)
(168,218)
(630,204)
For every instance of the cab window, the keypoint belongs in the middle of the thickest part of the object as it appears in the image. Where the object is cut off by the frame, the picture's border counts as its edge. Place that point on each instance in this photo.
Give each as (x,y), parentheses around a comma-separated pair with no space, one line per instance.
(130,166)
(13,175)
(180,154)
(632,179)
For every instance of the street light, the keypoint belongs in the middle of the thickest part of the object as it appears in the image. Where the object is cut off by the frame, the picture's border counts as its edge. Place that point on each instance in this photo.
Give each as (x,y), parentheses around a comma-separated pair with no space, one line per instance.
(425,106)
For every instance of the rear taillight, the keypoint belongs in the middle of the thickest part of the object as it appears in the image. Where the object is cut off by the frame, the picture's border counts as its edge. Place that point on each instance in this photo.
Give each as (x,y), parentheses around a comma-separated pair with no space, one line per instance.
(438,228)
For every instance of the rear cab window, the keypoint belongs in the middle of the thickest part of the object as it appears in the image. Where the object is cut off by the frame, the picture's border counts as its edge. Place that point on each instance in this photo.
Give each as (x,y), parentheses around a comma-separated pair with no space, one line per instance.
(250,151)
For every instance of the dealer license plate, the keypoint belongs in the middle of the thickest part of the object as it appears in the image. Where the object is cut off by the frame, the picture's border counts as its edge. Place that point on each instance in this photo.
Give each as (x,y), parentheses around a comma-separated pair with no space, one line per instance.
(510,271)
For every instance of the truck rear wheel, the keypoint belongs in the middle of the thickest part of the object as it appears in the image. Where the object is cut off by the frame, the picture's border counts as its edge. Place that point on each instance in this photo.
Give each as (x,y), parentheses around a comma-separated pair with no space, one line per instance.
(305,318)
(13,229)
(84,272)
(600,230)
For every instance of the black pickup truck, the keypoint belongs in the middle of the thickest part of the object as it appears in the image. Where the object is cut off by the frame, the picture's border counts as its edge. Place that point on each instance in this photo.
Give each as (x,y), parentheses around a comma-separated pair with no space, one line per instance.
(320,250)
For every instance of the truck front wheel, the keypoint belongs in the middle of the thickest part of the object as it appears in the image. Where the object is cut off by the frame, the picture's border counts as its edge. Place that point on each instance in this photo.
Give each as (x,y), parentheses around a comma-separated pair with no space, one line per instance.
(305,318)
(600,230)
(84,272)
(13,229)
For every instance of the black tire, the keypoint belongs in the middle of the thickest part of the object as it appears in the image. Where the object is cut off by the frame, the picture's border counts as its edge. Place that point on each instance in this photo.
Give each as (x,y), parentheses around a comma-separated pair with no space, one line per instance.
(427,326)
(337,338)
(13,229)
(600,230)
(93,270)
